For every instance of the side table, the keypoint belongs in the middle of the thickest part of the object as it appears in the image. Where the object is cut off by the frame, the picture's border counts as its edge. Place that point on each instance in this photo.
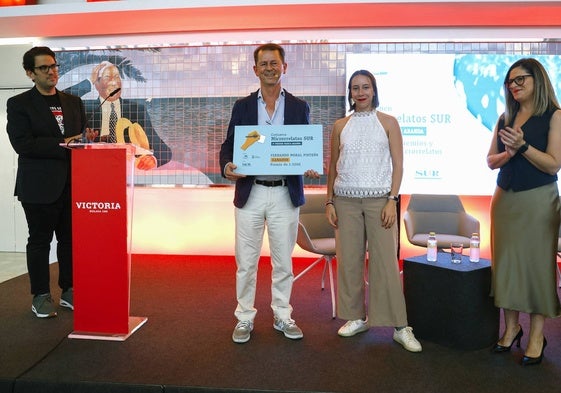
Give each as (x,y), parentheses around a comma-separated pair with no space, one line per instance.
(449,304)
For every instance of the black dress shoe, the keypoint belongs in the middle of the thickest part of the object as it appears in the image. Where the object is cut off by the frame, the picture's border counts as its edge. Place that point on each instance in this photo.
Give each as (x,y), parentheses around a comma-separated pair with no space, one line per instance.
(498,348)
(528,361)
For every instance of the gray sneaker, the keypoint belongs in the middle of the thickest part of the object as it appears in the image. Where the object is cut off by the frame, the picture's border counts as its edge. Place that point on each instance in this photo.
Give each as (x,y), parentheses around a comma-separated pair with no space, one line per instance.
(242,332)
(43,306)
(67,299)
(289,328)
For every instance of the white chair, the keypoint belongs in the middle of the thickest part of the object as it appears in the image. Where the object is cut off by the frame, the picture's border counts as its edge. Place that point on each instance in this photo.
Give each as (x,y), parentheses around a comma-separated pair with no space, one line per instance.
(316,235)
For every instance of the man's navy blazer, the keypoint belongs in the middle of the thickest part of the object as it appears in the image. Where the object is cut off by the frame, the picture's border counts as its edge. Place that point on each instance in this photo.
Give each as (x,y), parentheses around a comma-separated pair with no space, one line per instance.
(244,113)
(43,165)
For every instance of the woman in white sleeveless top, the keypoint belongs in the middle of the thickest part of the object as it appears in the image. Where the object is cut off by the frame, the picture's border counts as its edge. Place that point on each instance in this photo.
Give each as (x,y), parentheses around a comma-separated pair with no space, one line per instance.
(364,178)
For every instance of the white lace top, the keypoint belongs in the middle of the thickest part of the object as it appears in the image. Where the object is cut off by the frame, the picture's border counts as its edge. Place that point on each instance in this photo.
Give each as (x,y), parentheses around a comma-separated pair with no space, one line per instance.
(364,167)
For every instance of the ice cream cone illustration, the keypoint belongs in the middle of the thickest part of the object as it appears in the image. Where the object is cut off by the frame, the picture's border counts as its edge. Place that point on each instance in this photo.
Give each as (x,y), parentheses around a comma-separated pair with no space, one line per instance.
(250,139)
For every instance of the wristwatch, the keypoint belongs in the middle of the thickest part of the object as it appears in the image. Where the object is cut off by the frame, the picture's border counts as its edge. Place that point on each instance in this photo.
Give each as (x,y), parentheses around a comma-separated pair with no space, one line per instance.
(523,148)
(393,197)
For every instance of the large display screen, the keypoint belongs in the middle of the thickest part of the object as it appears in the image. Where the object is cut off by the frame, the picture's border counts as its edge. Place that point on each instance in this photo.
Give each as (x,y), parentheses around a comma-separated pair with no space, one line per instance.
(447,107)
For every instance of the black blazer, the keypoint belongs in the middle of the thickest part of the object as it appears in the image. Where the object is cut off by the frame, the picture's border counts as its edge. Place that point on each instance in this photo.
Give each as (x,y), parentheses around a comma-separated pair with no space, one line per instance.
(43,165)
(244,113)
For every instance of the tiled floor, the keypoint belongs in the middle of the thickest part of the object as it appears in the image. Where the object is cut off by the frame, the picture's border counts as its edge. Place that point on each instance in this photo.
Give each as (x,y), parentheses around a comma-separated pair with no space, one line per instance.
(12,264)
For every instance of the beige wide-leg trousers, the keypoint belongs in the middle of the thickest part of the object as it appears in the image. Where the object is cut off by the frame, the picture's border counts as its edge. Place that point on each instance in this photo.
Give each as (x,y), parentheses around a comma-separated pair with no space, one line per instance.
(359,227)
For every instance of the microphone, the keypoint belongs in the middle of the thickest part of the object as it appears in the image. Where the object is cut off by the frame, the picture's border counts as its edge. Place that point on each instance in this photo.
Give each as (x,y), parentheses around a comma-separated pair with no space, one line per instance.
(112,93)
(83,138)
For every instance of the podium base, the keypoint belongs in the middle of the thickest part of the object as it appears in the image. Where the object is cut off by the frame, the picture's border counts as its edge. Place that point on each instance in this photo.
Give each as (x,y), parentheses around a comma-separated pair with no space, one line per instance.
(134,324)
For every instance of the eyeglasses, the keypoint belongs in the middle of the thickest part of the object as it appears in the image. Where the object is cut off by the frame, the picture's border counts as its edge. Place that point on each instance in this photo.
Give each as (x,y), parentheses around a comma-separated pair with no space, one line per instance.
(518,81)
(46,68)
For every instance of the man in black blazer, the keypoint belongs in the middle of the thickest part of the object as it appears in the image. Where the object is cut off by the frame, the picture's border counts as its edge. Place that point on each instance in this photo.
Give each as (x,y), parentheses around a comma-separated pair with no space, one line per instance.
(265,200)
(39,120)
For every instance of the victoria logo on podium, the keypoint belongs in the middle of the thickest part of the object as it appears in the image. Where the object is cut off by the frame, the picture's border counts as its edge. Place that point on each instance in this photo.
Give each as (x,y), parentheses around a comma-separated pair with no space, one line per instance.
(98,207)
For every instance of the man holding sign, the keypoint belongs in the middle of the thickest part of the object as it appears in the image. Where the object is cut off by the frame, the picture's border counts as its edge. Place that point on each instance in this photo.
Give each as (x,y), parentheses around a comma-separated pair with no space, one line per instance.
(271,199)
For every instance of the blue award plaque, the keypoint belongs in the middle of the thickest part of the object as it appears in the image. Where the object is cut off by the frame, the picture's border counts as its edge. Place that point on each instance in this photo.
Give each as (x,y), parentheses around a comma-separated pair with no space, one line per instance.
(278,150)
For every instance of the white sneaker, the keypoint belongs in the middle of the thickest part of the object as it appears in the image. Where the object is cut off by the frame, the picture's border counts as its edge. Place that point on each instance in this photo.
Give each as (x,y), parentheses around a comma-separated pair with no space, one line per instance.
(407,339)
(353,327)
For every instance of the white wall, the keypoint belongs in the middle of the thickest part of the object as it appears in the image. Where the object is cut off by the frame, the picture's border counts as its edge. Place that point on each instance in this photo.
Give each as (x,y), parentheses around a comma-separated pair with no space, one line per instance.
(13,228)
(12,224)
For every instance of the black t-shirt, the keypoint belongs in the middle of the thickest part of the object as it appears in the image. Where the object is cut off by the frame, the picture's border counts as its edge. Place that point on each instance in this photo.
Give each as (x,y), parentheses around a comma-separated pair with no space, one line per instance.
(54,104)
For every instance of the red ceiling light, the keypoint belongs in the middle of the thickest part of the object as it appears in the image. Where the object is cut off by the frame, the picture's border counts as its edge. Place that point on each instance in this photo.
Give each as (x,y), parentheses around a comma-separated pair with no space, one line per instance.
(5,3)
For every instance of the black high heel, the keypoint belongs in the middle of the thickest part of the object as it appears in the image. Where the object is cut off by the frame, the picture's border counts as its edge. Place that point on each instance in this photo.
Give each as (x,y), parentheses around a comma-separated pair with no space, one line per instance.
(528,361)
(498,348)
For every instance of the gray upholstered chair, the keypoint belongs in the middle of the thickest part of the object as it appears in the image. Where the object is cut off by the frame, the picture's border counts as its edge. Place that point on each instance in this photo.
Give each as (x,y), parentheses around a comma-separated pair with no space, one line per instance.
(443,214)
(316,235)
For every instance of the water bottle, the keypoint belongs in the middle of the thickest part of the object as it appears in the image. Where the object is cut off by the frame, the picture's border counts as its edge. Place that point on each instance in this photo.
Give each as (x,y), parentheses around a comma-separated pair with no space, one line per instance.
(474,248)
(431,247)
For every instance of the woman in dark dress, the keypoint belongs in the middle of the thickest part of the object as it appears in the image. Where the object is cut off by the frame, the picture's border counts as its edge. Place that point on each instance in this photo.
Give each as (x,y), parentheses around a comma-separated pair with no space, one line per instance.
(525,209)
